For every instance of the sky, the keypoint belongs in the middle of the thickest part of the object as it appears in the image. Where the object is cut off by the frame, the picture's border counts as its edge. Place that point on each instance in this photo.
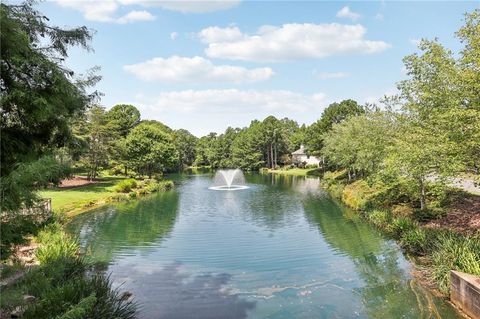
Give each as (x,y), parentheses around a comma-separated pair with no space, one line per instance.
(205,66)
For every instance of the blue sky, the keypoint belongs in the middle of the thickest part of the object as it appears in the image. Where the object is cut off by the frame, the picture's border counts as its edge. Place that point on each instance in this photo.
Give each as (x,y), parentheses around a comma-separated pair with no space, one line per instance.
(204,66)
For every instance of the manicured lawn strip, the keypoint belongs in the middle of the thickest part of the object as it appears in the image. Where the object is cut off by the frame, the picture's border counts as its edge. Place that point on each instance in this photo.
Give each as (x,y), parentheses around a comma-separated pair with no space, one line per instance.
(296,171)
(73,201)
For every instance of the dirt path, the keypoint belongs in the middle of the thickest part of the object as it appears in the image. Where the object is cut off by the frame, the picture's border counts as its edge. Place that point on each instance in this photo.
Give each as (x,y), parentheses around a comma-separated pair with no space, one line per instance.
(76,181)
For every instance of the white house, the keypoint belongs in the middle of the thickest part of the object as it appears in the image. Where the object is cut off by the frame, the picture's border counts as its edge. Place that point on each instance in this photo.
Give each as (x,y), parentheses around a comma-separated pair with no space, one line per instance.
(300,156)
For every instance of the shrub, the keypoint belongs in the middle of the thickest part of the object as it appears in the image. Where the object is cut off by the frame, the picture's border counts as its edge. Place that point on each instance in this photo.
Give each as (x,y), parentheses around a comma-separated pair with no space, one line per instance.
(126,185)
(400,225)
(166,186)
(454,252)
(55,244)
(402,210)
(14,231)
(358,195)
(379,218)
(66,286)
(116,170)
(311,166)
(415,241)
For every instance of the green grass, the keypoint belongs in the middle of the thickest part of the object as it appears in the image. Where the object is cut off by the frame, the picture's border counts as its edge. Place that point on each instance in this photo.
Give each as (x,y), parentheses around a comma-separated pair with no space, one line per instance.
(78,199)
(296,171)
(65,285)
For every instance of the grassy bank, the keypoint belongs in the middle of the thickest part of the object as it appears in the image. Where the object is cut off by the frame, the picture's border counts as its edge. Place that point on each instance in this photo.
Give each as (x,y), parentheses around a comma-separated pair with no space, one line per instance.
(295,171)
(63,285)
(437,250)
(59,282)
(76,200)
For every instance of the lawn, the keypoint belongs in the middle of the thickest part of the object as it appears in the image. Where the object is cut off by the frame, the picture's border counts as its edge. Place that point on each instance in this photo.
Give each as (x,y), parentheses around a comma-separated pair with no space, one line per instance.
(296,171)
(78,199)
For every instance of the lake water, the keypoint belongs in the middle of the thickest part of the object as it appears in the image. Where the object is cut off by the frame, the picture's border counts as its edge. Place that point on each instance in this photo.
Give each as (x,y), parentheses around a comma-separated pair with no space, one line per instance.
(280,249)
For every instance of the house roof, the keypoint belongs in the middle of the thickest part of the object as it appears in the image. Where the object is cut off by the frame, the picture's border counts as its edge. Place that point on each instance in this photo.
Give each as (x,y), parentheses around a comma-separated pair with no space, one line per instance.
(300,151)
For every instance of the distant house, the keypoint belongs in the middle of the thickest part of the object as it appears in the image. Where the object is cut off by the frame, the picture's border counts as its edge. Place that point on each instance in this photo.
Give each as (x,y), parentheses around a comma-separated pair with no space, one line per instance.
(300,156)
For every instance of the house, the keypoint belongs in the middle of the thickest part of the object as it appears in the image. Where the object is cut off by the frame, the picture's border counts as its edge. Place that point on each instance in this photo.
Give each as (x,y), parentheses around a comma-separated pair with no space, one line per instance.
(300,156)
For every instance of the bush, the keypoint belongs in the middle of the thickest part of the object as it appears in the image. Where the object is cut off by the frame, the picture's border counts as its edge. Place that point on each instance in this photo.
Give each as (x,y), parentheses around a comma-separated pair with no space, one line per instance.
(126,185)
(379,218)
(116,170)
(65,285)
(400,225)
(55,244)
(15,228)
(402,210)
(415,241)
(310,166)
(454,252)
(358,195)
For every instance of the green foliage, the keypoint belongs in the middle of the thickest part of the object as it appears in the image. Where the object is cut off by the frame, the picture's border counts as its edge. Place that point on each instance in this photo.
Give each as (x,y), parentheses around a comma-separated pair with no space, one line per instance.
(97,135)
(335,113)
(39,95)
(360,143)
(358,195)
(185,144)
(400,225)
(126,185)
(454,252)
(415,241)
(379,218)
(55,245)
(122,118)
(80,310)
(151,149)
(18,192)
(65,285)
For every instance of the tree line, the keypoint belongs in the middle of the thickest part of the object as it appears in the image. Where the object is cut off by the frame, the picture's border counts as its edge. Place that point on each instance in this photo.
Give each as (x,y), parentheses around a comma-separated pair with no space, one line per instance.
(50,121)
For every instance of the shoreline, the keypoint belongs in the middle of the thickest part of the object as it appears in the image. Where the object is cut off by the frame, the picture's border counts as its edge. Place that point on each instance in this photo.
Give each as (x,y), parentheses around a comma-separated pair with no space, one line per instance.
(423,263)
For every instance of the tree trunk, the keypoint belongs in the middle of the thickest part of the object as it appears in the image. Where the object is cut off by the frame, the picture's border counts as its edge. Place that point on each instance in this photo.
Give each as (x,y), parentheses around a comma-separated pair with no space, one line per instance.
(271,155)
(276,159)
(126,170)
(422,194)
(349,175)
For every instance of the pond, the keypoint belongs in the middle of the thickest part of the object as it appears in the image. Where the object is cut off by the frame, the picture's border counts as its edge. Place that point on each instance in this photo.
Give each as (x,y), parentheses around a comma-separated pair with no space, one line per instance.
(280,249)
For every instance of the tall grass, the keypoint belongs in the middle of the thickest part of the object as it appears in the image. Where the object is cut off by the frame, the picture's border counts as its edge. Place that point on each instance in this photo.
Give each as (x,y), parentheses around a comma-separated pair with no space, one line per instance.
(65,285)
(454,252)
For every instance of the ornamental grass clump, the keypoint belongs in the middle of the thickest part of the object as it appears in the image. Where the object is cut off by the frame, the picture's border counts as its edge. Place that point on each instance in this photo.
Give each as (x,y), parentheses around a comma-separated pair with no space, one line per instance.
(126,185)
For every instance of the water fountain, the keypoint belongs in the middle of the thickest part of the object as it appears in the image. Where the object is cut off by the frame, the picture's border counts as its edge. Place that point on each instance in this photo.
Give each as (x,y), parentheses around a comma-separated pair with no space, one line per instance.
(229,180)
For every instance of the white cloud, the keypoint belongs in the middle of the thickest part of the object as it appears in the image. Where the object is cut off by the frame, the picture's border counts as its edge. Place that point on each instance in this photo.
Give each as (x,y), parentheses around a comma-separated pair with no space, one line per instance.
(204,111)
(107,10)
(331,75)
(288,42)
(104,11)
(173,35)
(216,34)
(195,70)
(345,12)
(190,6)
(133,16)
